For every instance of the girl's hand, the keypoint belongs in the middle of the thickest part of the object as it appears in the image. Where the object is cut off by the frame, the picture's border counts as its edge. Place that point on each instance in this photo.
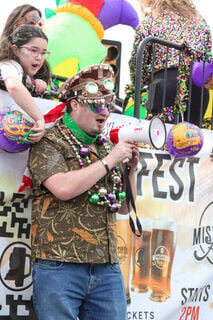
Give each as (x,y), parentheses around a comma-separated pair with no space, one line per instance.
(39,128)
(40,85)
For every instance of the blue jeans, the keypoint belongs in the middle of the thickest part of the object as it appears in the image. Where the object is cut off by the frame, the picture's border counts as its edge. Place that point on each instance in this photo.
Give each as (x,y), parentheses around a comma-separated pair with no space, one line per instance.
(71,291)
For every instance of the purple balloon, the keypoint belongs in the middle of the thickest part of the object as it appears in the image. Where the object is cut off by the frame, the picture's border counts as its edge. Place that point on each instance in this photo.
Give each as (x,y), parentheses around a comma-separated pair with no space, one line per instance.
(13,128)
(118,12)
(184,140)
(201,73)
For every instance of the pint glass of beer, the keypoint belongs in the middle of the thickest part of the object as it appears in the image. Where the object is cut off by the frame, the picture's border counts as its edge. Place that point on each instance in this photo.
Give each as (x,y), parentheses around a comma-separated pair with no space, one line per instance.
(163,243)
(124,247)
(141,258)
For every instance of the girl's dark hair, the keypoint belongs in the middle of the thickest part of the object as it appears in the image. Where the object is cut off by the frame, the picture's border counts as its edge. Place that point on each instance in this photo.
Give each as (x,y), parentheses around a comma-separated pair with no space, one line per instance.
(24,34)
(21,36)
(16,18)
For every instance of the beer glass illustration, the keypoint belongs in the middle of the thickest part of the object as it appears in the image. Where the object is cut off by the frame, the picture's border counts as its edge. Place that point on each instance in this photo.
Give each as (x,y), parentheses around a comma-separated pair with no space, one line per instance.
(124,246)
(163,243)
(141,258)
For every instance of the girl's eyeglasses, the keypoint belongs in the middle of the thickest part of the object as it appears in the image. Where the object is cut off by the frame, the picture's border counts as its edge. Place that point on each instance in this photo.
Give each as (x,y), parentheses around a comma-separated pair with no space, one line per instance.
(35,52)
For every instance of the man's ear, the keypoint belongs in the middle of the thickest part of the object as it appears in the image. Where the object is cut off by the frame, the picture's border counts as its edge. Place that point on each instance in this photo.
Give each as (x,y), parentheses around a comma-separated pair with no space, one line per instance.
(73,104)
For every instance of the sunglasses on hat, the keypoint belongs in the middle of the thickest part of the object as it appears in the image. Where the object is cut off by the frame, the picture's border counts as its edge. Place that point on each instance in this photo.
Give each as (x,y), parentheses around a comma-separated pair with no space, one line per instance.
(93,88)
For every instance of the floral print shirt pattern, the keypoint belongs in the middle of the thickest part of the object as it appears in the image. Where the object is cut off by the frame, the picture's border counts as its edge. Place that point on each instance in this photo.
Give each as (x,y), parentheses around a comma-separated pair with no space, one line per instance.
(74,230)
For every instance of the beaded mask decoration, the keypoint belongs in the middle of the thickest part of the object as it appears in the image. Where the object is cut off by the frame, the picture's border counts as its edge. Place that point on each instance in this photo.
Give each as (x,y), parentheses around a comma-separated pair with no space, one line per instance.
(92,85)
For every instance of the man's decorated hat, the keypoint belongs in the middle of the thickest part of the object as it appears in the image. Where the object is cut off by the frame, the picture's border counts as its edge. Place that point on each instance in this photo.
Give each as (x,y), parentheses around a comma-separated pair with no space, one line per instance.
(93,84)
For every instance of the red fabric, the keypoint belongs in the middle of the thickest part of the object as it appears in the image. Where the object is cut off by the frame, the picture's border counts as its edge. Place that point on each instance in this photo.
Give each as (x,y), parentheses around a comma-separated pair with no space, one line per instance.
(93,5)
(55,113)
(50,119)
(26,182)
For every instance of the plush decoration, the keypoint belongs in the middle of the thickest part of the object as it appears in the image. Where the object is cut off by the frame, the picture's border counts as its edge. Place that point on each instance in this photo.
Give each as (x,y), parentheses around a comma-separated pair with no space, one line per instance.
(85,14)
(93,6)
(118,12)
(60,2)
(49,13)
(75,30)
(184,140)
(14,131)
(74,38)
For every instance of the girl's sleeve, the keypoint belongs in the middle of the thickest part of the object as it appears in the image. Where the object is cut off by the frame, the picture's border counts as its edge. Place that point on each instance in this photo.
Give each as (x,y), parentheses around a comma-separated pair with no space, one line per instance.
(11,69)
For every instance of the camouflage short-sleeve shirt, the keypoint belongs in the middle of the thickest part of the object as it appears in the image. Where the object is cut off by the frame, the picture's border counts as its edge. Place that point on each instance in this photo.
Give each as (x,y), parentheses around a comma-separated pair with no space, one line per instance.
(74,230)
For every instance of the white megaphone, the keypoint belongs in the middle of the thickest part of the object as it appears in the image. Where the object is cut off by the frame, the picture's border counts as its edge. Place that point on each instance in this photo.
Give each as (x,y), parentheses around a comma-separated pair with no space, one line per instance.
(151,132)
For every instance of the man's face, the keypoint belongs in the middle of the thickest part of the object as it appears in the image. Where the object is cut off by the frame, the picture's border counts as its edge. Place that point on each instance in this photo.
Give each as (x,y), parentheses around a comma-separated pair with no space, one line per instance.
(88,121)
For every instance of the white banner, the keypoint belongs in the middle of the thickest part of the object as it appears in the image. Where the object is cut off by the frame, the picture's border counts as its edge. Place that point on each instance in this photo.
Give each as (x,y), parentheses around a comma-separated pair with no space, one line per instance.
(167,272)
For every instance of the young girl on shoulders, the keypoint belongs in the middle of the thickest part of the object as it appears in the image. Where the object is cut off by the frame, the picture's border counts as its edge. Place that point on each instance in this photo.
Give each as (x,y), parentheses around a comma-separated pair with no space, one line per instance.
(21,57)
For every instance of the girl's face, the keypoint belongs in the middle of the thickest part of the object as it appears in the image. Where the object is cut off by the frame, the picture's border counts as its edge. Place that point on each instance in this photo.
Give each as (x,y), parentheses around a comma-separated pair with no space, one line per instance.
(32,55)
(33,18)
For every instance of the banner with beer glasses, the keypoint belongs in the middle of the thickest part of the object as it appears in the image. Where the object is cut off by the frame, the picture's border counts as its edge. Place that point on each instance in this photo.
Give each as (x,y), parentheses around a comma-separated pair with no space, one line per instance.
(167,272)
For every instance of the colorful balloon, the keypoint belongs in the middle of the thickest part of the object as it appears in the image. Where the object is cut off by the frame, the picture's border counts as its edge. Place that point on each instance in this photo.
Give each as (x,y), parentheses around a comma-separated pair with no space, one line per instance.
(14,130)
(201,73)
(118,12)
(184,140)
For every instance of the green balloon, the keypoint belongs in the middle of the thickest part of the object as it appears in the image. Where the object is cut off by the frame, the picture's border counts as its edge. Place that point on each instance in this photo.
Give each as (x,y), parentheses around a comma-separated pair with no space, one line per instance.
(70,36)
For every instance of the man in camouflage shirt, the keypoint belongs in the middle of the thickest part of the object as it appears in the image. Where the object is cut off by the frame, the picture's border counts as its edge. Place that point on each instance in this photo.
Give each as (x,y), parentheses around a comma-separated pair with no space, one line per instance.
(78,188)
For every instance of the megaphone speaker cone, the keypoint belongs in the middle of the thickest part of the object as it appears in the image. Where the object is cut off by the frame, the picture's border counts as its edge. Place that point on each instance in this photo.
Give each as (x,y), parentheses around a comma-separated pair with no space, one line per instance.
(157,132)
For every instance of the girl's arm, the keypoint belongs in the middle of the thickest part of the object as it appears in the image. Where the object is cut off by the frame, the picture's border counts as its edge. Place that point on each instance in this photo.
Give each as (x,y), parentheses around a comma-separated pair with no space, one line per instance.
(23,98)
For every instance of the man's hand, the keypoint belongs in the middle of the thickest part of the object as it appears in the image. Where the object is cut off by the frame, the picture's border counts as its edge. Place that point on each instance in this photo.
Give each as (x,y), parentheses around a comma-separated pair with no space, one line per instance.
(125,150)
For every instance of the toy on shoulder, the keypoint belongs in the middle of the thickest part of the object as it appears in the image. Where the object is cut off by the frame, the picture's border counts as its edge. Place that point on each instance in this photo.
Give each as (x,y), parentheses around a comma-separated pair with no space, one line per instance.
(14,131)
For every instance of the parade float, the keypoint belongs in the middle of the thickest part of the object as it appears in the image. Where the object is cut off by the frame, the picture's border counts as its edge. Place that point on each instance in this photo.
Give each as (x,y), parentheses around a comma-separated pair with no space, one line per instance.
(168,270)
